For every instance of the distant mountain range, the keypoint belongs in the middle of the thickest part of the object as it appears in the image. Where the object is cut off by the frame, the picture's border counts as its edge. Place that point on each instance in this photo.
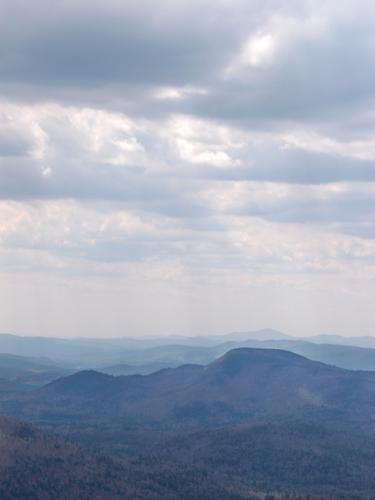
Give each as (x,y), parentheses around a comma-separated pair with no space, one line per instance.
(144,361)
(42,359)
(29,371)
(79,353)
(244,385)
(360,341)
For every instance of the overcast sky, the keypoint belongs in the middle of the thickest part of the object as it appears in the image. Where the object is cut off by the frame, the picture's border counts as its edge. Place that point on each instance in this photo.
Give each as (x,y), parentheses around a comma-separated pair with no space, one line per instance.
(187,166)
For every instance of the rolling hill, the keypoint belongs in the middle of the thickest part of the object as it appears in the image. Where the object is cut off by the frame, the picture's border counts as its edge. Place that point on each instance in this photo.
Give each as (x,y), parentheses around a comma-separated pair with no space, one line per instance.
(244,385)
(30,371)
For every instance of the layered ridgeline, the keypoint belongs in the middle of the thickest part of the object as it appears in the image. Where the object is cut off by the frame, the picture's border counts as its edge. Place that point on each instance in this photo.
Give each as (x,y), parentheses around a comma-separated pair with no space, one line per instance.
(48,358)
(253,423)
(243,385)
(22,372)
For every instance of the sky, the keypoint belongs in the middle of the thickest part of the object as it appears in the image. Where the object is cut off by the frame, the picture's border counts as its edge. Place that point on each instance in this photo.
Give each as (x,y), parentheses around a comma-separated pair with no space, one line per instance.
(187,167)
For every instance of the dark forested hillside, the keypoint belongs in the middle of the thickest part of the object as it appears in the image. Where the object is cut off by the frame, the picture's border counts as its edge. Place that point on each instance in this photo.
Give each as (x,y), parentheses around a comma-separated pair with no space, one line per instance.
(295,458)
(294,461)
(35,465)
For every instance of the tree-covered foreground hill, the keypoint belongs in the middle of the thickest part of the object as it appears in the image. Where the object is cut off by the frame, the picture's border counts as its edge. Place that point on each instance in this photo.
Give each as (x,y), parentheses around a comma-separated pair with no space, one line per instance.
(35,465)
(247,462)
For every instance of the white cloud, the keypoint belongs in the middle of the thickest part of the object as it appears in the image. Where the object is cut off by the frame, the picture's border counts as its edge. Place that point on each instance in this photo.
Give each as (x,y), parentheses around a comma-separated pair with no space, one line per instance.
(191,156)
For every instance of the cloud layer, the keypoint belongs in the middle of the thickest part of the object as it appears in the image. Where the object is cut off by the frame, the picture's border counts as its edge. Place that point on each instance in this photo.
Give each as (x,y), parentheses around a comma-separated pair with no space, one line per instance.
(195,154)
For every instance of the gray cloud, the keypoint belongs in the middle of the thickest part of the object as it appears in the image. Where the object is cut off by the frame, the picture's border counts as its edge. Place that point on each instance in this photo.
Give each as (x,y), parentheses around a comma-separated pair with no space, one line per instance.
(73,168)
(93,44)
(115,54)
(321,75)
(14,142)
(294,166)
(24,180)
(350,211)
(182,146)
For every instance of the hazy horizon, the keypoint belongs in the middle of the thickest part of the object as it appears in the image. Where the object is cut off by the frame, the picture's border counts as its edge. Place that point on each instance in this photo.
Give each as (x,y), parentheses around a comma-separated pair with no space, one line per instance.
(151,336)
(187,168)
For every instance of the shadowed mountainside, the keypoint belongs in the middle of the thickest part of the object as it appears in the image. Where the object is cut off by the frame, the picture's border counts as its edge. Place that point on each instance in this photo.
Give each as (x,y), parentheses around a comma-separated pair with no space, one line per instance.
(243,385)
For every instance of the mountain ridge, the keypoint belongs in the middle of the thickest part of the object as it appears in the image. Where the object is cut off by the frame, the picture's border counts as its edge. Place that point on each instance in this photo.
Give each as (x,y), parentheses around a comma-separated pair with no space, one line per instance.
(244,384)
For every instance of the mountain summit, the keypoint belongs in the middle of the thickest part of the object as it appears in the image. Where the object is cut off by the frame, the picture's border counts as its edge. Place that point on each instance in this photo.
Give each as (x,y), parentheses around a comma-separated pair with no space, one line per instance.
(241,386)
